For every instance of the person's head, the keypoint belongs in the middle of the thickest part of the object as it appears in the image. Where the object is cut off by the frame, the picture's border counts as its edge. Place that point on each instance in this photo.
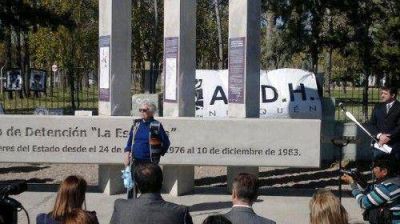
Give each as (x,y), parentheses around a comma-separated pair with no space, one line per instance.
(245,189)
(216,219)
(71,195)
(79,216)
(388,94)
(325,208)
(147,110)
(148,178)
(384,166)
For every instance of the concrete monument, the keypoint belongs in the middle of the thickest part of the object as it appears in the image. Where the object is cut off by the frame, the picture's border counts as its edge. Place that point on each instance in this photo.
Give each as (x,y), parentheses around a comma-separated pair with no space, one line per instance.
(179,73)
(244,66)
(115,33)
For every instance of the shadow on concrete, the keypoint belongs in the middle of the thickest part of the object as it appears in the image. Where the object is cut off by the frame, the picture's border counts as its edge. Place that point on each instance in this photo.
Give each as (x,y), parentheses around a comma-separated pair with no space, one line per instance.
(286,171)
(22,169)
(288,181)
(299,178)
(293,192)
(29,181)
(210,206)
(289,172)
(42,185)
(36,187)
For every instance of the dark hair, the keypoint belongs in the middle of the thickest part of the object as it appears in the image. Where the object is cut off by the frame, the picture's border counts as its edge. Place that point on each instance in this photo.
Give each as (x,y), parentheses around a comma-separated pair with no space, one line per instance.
(216,219)
(392,89)
(387,162)
(245,187)
(148,178)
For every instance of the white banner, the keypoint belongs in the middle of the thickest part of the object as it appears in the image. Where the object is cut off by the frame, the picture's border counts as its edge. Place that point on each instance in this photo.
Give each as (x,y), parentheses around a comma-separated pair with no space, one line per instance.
(211,93)
(284,93)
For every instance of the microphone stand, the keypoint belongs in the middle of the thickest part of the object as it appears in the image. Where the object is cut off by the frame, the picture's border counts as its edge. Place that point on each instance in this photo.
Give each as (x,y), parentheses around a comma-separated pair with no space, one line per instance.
(340,142)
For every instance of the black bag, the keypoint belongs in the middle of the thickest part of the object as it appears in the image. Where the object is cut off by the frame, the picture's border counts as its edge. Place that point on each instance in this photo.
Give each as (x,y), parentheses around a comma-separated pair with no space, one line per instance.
(378,215)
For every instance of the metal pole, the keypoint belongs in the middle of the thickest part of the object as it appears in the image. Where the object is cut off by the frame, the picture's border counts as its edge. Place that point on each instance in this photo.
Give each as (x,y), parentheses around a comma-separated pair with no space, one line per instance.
(340,142)
(340,169)
(1,78)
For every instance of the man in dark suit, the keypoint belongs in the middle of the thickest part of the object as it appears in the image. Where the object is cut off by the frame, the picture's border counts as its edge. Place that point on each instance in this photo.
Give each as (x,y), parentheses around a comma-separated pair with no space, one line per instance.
(149,208)
(385,121)
(244,194)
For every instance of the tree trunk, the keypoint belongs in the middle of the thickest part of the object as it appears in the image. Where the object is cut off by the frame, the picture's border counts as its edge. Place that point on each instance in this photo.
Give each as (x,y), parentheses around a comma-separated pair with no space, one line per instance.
(70,70)
(367,73)
(270,26)
(219,29)
(25,62)
(154,61)
(328,86)
(8,46)
(328,82)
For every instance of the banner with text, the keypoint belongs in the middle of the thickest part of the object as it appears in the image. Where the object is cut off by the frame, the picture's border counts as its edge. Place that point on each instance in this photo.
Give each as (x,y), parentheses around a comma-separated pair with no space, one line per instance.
(284,93)
(101,140)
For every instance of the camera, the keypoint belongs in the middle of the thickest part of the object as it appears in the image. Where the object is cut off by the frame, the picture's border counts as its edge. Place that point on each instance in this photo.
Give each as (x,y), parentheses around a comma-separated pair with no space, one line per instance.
(156,150)
(357,176)
(10,207)
(13,189)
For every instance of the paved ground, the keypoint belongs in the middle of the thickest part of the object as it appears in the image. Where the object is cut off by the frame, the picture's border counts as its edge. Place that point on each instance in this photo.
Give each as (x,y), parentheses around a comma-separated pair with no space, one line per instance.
(285,192)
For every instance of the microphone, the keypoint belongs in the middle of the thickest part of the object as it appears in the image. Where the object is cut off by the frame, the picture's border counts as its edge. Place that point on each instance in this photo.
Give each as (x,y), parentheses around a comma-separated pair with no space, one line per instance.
(341,105)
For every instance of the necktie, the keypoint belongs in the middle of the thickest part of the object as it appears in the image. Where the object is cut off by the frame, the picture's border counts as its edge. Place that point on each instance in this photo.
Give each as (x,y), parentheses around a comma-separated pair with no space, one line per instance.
(387,108)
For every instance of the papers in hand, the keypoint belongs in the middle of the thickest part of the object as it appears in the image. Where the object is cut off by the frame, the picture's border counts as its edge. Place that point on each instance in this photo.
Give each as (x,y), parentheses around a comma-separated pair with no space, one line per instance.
(383,148)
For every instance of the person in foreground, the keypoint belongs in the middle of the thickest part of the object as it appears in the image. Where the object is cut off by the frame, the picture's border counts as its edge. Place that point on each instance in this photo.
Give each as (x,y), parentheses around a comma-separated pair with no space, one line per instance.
(380,200)
(325,208)
(79,216)
(216,219)
(244,194)
(149,207)
(70,196)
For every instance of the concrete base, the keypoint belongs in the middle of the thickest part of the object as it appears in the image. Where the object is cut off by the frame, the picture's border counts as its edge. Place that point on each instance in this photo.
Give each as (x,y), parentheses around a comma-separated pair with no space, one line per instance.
(110,181)
(355,151)
(232,171)
(178,180)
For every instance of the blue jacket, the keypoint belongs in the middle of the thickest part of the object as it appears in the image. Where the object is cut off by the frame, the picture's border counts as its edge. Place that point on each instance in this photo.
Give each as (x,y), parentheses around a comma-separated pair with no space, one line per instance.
(43,218)
(141,146)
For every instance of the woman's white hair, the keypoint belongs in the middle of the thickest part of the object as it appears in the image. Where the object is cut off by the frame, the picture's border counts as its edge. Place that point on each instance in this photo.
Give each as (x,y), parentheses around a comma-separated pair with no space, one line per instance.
(152,107)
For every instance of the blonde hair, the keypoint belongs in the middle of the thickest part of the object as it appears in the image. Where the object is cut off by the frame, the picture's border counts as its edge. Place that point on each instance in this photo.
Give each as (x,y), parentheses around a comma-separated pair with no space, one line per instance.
(79,216)
(325,208)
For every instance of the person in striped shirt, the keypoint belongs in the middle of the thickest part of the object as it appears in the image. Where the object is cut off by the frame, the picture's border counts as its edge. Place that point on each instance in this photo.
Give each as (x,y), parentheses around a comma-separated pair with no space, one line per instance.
(380,200)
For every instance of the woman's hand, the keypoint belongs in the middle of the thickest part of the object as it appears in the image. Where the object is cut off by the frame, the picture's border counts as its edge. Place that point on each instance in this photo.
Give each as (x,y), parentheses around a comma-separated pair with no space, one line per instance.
(127,158)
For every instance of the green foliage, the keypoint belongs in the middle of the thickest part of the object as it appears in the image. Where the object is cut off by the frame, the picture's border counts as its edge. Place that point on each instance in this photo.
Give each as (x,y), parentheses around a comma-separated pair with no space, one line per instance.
(360,36)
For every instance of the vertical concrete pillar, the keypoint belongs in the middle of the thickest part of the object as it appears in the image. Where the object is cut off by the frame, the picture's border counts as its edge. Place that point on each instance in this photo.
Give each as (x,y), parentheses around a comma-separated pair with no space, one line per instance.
(179,80)
(244,66)
(115,34)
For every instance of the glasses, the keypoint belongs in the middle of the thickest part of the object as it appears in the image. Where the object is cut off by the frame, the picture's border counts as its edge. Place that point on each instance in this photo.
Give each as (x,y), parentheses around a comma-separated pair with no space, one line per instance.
(143,110)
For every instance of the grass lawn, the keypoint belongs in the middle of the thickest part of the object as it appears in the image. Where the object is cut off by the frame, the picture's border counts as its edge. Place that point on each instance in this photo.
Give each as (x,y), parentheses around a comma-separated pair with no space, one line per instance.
(87,98)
